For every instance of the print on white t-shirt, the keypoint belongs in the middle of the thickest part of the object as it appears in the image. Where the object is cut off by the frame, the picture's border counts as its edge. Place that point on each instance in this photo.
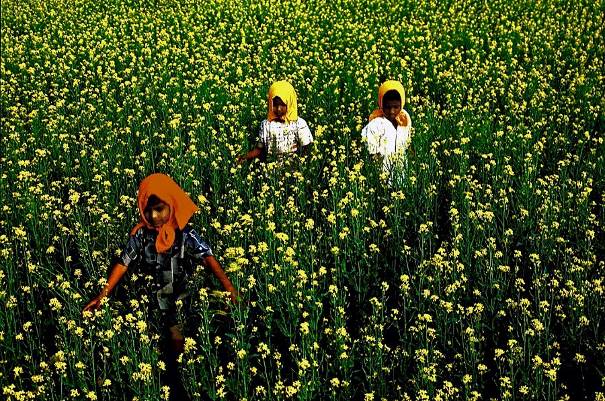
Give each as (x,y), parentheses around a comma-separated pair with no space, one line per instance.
(386,140)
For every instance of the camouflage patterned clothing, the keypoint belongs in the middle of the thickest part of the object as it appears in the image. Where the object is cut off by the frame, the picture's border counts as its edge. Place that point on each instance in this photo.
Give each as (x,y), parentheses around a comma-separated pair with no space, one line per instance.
(170,270)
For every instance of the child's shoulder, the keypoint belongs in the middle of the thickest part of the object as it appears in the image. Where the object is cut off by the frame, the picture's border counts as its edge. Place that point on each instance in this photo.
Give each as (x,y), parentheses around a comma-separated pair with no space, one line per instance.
(189,230)
(301,122)
(194,241)
(376,124)
(191,235)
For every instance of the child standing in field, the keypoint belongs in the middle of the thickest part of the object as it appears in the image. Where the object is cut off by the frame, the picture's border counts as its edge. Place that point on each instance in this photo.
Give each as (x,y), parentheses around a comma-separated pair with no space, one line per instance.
(388,133)
(283,132)
(166,247)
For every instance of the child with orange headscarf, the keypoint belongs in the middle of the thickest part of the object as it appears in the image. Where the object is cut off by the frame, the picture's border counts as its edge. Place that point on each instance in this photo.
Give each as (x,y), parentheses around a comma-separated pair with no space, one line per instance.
(166,247)
(283,132)
(389,131)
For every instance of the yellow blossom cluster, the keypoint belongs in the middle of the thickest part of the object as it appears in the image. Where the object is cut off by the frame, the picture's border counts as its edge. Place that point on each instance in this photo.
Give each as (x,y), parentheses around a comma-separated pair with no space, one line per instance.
(474,271)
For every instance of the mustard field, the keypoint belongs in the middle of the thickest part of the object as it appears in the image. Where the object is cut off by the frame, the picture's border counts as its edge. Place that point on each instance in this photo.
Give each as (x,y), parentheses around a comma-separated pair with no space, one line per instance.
(477,274)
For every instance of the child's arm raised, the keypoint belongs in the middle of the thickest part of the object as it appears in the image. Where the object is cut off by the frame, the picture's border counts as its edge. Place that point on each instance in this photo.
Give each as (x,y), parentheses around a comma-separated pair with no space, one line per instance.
(114,278)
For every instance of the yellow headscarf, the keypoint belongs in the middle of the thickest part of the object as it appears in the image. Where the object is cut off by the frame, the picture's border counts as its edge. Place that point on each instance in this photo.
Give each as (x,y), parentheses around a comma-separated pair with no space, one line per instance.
(390,85)
(286,92)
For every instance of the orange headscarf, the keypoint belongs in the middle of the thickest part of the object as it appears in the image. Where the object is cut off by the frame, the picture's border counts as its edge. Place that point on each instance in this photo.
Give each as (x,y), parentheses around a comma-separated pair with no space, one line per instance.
(181,208)
(402,118)
(285,92)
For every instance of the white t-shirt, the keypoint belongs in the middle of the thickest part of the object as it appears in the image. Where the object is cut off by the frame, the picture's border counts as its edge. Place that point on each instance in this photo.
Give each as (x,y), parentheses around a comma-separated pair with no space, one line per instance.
(282,138)
(386,140)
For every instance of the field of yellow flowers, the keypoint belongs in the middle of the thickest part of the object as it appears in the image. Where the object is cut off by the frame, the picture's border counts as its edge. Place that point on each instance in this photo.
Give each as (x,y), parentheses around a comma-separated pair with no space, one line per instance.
(478,274)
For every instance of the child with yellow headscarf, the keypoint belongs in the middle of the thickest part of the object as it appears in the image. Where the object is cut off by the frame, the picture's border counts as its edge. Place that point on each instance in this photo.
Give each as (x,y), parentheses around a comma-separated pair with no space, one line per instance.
(283,132)
(388,132)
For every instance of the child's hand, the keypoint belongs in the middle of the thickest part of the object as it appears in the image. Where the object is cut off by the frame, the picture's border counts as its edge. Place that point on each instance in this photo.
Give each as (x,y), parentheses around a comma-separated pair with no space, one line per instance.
(94,304)
(240,159)
(236,298)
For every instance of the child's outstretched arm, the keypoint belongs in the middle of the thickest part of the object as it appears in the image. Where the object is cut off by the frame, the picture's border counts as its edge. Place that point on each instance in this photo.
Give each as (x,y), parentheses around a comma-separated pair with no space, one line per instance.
(114,278)
(199,251)
(212,263)
(254,153)
(258,150)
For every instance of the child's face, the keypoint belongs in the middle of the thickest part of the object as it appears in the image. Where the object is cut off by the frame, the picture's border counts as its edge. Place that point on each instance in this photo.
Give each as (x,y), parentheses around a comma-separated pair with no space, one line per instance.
(391,109)
(157,214)
(279,108)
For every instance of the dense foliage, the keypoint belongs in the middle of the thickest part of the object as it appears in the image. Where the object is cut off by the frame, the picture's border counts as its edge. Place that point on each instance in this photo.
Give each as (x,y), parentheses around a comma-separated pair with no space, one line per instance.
(478,273)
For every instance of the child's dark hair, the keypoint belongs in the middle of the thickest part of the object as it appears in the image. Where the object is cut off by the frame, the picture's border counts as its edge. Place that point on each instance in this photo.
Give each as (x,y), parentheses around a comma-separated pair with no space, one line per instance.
(152,201)
(391,95)
(278,100)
